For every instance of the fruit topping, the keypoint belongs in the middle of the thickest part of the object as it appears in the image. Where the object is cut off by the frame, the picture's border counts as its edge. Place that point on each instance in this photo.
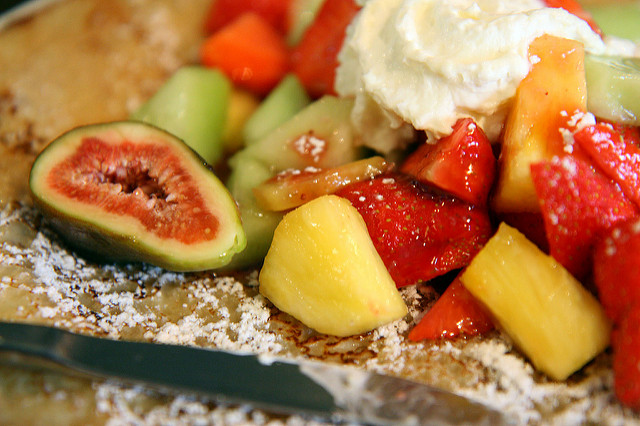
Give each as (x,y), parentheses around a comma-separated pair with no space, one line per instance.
(455,313)
(419,232)
(223,12)
(191,105)
(323,270)
(258,223)
(543,106)
(315,58)
(616,269)
(293,188)
(320,135)
(282,103)
(577,204)
(613,83)
(127,191)
(249,51)
(461,163)
(549,315)
(618,157)
(626,359)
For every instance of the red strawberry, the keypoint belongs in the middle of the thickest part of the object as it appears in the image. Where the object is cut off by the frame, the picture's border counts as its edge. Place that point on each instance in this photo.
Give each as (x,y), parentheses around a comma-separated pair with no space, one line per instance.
(577,203)
(456,312)
(419,233)
(315,58)
(461,163)
(631,134)
(530,224)
(614,154)
(626,359)
(616,268)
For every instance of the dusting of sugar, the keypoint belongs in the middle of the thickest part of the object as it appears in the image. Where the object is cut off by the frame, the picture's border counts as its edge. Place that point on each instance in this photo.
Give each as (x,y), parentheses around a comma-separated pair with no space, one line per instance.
(125,298)
(124,409)
(471,128)
(310,145)
(569,165)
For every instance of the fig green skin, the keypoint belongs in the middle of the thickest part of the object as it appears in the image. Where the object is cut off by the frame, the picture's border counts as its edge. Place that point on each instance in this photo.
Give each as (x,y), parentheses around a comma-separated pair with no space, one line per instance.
(77,225)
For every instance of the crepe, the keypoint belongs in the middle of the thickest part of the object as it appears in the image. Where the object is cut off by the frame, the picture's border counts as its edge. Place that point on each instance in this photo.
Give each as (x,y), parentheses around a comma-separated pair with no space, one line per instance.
(68,63)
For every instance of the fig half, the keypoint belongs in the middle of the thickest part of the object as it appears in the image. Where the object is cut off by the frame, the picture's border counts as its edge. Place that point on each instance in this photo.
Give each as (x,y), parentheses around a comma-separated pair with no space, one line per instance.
(128,191)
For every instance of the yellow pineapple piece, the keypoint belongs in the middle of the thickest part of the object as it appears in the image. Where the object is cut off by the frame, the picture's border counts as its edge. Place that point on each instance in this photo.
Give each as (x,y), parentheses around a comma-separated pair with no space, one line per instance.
(550,316)
(545,101)
(323,269)
(241,105)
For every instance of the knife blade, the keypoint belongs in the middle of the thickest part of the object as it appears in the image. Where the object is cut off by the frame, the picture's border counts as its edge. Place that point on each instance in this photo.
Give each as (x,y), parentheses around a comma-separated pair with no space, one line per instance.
(311,389)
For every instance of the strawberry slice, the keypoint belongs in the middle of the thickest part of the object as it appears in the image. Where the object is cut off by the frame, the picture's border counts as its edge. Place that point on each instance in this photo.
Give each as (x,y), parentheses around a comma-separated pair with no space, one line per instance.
(461,163)
(616,273)
(577,203)
(614,154)
(626,359)
(530,224)
(616,268)
(456,312)
(418,232)
(315,58)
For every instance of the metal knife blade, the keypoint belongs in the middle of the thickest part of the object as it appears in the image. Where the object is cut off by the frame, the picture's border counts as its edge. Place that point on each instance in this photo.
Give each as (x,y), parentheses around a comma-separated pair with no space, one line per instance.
(313,389)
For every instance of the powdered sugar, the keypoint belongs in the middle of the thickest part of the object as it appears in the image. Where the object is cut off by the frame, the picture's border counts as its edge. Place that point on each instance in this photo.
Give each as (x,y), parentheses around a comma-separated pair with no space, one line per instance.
(131,302)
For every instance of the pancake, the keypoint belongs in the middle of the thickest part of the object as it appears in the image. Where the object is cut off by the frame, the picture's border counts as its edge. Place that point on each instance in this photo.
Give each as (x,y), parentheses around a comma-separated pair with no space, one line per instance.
(75,62)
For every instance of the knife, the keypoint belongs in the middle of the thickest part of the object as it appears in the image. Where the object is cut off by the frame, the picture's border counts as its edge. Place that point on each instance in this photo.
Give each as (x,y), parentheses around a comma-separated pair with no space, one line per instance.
(310,389)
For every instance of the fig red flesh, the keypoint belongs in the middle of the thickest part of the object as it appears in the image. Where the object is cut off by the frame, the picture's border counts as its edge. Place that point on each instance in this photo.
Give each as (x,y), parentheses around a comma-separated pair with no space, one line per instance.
(127,179)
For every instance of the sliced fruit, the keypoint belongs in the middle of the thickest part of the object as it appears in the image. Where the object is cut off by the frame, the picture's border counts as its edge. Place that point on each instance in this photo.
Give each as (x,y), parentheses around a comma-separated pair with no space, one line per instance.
(249,51)
(300,15)
(128,191)
(192,105)
(320,135)
(285,101)
(223,12)
(258,223)
(613,84)
(616,269)
(323,270)
(548,314)
(455,313)
(419,233)
(293,188)
(626,358)
(614,155)
(462,163)
(530,224)
(242,105)
(543,105)
(577,204)
(315,58)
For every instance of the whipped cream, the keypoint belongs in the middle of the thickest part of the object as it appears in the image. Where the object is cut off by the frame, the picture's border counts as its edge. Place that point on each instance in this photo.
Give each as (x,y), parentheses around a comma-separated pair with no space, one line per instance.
(427,63)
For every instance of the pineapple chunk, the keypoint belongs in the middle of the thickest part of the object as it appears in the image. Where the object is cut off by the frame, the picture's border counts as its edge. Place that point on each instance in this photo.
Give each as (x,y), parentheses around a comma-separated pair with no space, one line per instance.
(553,91)
(549,315)
(323,269)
